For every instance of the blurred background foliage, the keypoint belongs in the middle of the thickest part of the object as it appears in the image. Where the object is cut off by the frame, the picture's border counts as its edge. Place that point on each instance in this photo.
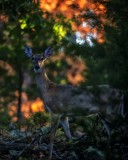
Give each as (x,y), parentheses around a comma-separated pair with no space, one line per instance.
(89,40)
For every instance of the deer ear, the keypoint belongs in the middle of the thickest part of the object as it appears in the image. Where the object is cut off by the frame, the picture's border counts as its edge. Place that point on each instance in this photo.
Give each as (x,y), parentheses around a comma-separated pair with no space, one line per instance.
(48,52)
(28,51)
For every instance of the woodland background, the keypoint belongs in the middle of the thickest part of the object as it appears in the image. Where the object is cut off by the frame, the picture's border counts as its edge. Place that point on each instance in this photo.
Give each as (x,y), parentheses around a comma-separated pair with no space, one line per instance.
(90,47)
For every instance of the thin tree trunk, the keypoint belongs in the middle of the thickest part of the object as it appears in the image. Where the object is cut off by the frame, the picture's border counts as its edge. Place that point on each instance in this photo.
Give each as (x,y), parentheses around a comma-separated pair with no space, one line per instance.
(19,114)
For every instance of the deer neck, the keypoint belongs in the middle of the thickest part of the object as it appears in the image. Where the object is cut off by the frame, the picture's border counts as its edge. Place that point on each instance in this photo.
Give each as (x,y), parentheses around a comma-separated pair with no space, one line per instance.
(42,81)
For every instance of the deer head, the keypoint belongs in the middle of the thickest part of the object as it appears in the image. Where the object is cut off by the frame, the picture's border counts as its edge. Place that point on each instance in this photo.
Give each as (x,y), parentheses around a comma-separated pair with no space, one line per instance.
(38,60)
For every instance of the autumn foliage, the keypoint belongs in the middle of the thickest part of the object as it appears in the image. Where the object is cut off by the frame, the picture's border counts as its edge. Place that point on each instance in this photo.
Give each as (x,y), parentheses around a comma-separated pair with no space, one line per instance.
(77,10)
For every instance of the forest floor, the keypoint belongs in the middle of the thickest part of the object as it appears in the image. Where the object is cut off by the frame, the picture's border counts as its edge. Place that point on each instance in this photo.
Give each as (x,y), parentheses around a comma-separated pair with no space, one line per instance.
(93,144)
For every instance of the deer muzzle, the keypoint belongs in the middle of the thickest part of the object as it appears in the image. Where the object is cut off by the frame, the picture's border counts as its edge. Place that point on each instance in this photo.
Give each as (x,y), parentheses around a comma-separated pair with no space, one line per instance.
(36,66)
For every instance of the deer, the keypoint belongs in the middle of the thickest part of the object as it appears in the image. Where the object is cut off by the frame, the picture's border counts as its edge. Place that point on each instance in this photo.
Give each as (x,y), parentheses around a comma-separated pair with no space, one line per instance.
(63,101)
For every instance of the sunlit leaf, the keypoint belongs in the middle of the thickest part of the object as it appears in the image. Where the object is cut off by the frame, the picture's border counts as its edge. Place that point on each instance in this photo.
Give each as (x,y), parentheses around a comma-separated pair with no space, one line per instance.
(59,31)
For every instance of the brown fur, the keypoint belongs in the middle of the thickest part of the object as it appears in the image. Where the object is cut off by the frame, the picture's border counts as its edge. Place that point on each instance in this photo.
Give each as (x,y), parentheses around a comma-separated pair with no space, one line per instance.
(65,100)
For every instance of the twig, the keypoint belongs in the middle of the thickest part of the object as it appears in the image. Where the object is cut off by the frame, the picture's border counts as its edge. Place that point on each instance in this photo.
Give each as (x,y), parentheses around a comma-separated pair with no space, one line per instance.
(28,146)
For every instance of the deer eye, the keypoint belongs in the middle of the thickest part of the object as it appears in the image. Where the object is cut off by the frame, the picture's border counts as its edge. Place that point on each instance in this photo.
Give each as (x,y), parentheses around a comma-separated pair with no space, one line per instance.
(33,58)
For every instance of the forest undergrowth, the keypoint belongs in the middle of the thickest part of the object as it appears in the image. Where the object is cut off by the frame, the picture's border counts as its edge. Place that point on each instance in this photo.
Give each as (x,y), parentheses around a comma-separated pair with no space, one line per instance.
(90,140)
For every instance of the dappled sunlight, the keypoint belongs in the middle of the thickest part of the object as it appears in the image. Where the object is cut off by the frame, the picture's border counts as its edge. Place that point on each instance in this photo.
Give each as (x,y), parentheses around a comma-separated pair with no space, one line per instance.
(37,105)
(77,9)
(70,9)
(76,14)
(74,72)
(63,7)
(3,18)
(27,108)
(70,58)
(7,67)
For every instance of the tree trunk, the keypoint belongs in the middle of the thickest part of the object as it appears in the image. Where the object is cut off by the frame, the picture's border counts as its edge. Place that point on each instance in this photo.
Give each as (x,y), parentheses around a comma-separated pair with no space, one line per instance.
(19,114)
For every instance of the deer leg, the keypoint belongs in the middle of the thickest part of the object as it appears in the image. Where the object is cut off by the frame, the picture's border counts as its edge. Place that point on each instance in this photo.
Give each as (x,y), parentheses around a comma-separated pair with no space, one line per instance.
(104,123)
(106,127)
(54,126)
(65,124)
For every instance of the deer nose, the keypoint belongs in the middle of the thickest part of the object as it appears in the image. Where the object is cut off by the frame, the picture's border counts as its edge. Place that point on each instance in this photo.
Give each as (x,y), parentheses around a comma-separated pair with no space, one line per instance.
(37,67)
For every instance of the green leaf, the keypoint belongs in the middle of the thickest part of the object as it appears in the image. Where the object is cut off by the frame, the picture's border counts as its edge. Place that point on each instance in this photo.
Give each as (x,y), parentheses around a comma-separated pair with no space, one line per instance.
(90,149)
